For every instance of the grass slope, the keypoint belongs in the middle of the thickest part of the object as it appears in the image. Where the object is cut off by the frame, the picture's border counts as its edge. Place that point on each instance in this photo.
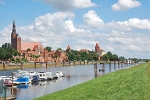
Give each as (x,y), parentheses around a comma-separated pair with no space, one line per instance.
(126,84)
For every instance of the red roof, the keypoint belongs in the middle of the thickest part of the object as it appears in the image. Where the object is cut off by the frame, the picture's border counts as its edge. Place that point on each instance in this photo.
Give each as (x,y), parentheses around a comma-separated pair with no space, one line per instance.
(31,45)
(36,46)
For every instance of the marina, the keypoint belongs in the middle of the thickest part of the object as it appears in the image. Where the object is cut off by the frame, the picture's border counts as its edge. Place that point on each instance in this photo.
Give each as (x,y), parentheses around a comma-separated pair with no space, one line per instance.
(73,75)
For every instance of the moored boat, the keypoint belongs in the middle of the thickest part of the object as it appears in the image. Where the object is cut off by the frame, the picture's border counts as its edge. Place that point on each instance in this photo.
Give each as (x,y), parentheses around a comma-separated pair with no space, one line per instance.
(43,76)
(59,74)
(9,82)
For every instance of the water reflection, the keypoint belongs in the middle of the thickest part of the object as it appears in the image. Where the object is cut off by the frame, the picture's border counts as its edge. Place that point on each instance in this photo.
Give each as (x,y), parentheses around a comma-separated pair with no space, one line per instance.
(73,75)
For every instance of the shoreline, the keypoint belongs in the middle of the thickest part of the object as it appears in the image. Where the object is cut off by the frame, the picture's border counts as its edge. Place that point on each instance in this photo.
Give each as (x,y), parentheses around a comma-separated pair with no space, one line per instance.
(41,65)
(60,64)
(122,84)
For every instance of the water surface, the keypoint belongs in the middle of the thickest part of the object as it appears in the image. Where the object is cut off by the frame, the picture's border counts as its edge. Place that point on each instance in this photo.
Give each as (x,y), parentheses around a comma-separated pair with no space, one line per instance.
(73,75)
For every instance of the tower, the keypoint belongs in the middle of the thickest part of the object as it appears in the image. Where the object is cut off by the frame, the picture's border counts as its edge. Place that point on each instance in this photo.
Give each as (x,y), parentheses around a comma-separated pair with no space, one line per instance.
(15,39)
(68,48)
(97,47)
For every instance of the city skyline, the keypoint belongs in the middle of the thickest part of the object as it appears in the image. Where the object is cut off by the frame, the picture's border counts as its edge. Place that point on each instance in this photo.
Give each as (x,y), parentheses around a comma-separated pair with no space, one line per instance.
(119,26)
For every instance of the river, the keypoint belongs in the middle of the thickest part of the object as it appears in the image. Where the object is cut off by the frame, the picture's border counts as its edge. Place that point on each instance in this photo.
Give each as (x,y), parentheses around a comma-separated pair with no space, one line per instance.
(73,75)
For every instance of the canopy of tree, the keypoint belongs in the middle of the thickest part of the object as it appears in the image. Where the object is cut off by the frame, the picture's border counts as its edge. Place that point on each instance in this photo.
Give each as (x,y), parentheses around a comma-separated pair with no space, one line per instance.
(48,48)
(6,52)
(76,55)
(112,57)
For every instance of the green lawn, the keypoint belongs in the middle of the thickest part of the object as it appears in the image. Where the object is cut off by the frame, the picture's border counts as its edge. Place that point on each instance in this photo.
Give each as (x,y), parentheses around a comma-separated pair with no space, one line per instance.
(126,84)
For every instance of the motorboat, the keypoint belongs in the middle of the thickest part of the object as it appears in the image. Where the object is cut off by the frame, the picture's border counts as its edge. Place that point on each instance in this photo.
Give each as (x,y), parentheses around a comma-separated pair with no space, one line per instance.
(59,74)
(9,82)
(43,76)
(32,73)
(24,79)
(35,78)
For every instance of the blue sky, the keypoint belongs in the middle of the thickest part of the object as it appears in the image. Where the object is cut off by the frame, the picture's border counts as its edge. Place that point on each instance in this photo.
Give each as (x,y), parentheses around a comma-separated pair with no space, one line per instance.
(119,26)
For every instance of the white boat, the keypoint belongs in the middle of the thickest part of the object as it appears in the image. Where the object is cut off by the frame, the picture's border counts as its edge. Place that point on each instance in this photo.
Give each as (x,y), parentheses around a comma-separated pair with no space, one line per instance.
(59,74)
(0,78)
(45,76)
(32,73)
(8,82)
(3,77)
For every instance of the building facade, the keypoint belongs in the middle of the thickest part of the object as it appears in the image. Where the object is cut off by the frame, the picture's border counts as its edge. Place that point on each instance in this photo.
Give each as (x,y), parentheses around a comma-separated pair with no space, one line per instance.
(15,39)
(34,51)
(99,51)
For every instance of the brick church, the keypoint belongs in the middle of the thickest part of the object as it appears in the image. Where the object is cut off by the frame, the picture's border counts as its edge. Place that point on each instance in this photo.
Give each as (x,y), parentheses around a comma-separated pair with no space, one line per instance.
(29,50)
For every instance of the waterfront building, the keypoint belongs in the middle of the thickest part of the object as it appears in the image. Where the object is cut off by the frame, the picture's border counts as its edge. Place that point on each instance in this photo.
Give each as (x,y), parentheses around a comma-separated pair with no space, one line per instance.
(34,51)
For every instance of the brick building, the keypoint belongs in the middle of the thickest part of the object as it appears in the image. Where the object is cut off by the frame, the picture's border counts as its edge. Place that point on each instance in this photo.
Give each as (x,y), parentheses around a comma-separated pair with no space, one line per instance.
(99,51)
(34,51)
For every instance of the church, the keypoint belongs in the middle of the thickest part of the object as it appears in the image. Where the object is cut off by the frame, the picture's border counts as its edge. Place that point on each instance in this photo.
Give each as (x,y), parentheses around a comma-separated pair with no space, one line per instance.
(21,46)
(34,51)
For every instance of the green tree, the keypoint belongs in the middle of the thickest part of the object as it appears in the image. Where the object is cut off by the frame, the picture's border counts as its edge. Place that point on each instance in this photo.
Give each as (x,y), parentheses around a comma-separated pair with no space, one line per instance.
(121,58)
(105,57)
(6,46)
(71,56)
(84,56)
(28,49)
(48,48)
(110,55)
(114,57)
(59,49)
(2,53)
(8,51)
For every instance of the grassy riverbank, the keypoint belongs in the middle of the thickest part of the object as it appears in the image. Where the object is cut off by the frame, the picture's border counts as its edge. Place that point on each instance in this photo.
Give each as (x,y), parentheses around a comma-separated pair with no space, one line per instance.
(127,84)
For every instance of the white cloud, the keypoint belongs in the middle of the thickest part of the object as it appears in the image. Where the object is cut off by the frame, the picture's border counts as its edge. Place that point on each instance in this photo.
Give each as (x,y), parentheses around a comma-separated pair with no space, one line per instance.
(69,23)
(92,19)
(58,30)
(125,5)
(135,23)
(68,5)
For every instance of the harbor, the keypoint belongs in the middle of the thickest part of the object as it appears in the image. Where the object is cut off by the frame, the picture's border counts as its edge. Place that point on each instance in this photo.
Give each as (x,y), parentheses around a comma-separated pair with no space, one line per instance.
(73,75)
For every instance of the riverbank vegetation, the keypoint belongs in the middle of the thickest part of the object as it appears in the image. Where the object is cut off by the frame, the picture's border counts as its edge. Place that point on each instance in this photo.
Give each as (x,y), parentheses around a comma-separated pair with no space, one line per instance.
(6,52)
(126,84)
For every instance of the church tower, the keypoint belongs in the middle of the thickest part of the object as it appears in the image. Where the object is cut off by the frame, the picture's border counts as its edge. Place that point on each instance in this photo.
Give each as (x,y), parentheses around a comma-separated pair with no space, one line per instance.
(97,47)
(15,39)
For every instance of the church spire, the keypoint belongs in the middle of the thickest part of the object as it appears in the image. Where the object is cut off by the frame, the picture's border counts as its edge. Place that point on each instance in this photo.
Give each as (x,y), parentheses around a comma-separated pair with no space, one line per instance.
(14,26)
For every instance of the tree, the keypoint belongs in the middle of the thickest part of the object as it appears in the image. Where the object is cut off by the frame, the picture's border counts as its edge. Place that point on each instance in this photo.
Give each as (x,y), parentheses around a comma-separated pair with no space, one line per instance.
(7,52)
(2,53)
(48,48)
(121,58)
(105,57)
(83,56)
(110,55)
(28,49)
(114,57)
(6,46)
(71,56)
(59,49)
